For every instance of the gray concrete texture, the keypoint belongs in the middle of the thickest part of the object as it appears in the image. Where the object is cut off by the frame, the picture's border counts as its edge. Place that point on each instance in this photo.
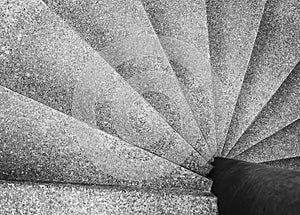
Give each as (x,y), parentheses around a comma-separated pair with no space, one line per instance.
(123,35)
(281,145)
(43,59)
(280,111)
(181,26)
(39,143)
(232,27)
(274,55)
(30,198)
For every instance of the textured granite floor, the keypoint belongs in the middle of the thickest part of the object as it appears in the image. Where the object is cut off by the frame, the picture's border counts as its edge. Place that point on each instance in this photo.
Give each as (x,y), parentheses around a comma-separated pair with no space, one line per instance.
(122,34)
(275,54)
(39,143)
(182,31)
(46,61)
(113,107)
(32,198)
(283,144)
(232,27)
(281,110)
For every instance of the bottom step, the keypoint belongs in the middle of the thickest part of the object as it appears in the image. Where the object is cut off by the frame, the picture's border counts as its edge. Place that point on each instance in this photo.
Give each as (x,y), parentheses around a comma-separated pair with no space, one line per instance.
(37,198)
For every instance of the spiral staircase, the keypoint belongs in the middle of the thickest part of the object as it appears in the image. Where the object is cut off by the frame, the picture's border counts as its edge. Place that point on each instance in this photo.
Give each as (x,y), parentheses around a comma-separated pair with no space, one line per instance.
(117,106)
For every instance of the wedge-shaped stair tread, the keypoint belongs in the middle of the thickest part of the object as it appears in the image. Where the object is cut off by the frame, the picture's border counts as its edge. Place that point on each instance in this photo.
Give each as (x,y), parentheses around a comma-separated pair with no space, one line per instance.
(39,143)
(33,198)
(282,109)
(275,54)
(283,144)
(121,32)
(232,27)
(45,60)
(289,163)
(182,30)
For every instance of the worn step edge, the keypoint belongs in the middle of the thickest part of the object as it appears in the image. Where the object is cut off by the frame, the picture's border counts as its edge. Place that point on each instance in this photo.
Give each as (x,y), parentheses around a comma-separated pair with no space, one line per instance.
(40,198)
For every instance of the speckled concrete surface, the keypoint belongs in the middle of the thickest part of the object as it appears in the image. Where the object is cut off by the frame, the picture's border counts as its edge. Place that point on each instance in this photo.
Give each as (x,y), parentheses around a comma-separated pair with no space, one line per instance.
(45,60)
(39,143)
(283,144)
(282,109)
(275,54)
(122,34)
(290,163)
(232,28)
(29,198)
(182,31)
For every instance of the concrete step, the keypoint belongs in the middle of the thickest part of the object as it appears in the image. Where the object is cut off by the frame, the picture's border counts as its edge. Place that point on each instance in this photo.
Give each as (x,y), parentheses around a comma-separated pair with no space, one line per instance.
(289,163)
(181,26)
(281,145)
(44,59)
(232,27)
(275,54)
(37,198)
(122,34)
(280,111)
(39,143)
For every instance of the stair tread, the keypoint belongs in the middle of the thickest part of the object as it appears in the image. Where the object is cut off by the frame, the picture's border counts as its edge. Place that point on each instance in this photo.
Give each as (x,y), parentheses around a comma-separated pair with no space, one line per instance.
(283,144)
(275,54)
(52,198)
(280,111)
(39,143)
(50,63)
(232,27)
(289,163)
(116,107)
(181,26)
(122,34)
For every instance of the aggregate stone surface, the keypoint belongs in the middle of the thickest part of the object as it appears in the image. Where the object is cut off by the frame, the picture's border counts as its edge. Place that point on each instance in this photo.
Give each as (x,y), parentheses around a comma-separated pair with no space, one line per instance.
(181,26)
(44,59)
(281,145)
(122,34)
(39,143)
(32,198)
(280,111)
(232,28)
(275,54)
